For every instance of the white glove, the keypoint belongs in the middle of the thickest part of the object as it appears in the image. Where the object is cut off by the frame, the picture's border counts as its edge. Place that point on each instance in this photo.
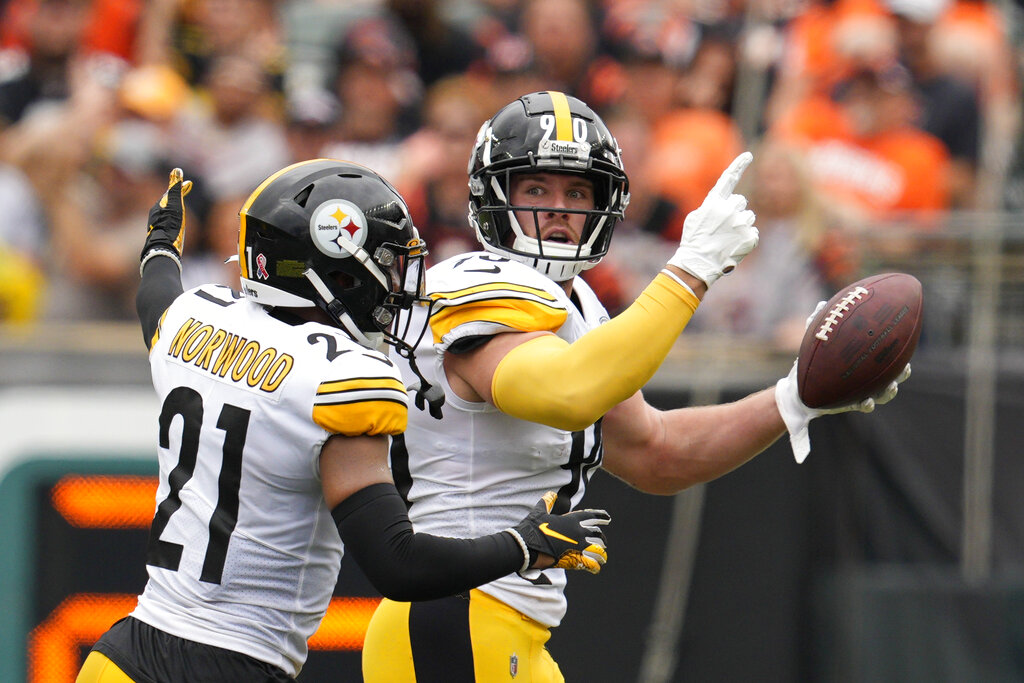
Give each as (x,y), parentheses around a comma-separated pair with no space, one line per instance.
(720,232)
(797,416)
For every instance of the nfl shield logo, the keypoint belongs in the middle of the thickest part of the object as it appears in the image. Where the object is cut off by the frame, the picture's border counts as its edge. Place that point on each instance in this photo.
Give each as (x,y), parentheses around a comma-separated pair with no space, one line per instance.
(513,664)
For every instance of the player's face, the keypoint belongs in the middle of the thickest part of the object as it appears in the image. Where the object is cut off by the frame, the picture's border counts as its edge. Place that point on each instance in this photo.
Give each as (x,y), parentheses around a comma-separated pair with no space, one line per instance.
(558,194)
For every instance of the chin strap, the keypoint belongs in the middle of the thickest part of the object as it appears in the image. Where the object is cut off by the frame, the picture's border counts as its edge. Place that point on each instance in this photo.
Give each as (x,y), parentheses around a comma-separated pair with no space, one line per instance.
(337,311)
(427,396)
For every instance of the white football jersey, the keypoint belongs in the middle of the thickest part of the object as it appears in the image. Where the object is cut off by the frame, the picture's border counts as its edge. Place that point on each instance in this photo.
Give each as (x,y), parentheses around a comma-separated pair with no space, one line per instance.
(243,553)
(478,471)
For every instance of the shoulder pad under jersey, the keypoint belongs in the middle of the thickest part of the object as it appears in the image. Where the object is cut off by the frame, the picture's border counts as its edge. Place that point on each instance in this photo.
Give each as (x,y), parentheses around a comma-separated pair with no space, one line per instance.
(480,293)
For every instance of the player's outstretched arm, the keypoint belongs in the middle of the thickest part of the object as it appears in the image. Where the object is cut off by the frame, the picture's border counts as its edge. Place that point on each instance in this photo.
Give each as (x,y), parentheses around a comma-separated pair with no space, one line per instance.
(404,565)
(544,379)
(664,452)
(160,260)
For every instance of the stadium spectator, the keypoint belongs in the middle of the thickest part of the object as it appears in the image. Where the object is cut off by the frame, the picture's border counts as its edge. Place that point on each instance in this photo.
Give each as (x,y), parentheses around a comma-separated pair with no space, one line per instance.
(866,156)
(230,130)
(192,37)
(379,92)
(432,177)
(110,27)
(971,40)
(566,49)
(507,67)
(651,224)
(653,47)
(95,210)
(23,240)
(825,44)
(947,104)
(443,47)
(698,137)
(310,115)
(43,41)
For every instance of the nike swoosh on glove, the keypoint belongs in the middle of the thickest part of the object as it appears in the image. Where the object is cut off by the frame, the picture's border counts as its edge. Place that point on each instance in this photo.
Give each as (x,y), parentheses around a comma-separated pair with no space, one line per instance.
(575,539)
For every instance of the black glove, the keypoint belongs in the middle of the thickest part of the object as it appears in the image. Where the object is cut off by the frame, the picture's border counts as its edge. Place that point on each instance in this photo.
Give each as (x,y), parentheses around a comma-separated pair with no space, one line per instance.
(574,539)
(167,221)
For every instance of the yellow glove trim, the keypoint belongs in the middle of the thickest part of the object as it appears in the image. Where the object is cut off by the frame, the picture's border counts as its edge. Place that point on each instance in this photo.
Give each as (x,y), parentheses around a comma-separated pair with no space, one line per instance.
(176,176)
(570,386)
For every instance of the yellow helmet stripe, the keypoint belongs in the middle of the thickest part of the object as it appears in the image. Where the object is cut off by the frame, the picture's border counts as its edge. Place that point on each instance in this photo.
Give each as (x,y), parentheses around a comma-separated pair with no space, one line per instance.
(563,119)
(243,262)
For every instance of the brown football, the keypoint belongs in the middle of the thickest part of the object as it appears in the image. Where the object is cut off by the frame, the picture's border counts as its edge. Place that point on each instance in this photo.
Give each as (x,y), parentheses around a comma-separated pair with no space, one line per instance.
(860,341)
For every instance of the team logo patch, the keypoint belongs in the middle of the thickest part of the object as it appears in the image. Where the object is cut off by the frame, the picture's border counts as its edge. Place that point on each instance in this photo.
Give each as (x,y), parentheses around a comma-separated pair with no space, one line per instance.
(335,222)
(560,148)
(513,665)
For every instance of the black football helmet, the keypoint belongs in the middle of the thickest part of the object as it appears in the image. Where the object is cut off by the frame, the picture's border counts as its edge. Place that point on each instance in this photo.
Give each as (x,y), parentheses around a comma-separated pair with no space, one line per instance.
(545,132)
(335,235)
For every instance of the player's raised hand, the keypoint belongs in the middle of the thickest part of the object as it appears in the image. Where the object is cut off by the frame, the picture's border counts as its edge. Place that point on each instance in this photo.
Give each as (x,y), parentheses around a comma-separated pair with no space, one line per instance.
(167,220)
(720,232)
(574,540)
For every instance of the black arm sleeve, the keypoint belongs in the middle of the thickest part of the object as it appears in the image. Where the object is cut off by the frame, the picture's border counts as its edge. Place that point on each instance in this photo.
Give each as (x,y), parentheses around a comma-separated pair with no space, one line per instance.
(161,284)
(403,565)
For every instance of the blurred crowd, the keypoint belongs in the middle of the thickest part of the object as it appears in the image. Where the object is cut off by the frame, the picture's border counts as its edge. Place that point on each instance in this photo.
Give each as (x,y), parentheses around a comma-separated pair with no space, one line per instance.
(858,111)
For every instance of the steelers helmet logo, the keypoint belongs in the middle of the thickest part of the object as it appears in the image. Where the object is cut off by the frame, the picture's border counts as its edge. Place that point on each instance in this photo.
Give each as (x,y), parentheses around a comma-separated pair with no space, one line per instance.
(336,224)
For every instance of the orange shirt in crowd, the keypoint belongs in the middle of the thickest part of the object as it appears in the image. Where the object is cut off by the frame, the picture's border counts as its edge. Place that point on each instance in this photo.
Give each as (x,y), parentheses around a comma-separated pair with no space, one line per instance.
(825,41)
(902,169)
(111,28)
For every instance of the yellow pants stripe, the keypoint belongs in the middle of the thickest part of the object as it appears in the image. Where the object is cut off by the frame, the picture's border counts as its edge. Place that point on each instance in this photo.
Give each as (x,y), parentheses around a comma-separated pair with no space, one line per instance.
(99,669)
(504,644)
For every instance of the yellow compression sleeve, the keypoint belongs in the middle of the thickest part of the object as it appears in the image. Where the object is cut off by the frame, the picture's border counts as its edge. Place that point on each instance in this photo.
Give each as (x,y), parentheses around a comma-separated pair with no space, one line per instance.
(570,386)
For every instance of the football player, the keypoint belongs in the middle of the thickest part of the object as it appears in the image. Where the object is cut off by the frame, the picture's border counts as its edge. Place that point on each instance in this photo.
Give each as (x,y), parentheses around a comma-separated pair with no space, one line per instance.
(276,408)
(542,388)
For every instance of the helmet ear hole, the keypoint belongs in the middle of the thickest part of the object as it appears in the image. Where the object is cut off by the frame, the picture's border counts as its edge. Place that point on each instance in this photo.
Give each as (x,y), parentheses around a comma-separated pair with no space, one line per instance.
(345,280)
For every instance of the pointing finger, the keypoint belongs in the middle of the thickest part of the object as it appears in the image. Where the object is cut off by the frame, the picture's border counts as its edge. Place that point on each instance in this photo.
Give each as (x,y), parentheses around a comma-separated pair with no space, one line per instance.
(176,176)
(727,182)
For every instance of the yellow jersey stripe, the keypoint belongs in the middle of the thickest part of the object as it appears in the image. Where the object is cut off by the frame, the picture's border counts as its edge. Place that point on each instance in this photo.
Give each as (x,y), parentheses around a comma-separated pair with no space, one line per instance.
(372,417)
(563,119)
(523,315)
(506,288)
(358,384)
